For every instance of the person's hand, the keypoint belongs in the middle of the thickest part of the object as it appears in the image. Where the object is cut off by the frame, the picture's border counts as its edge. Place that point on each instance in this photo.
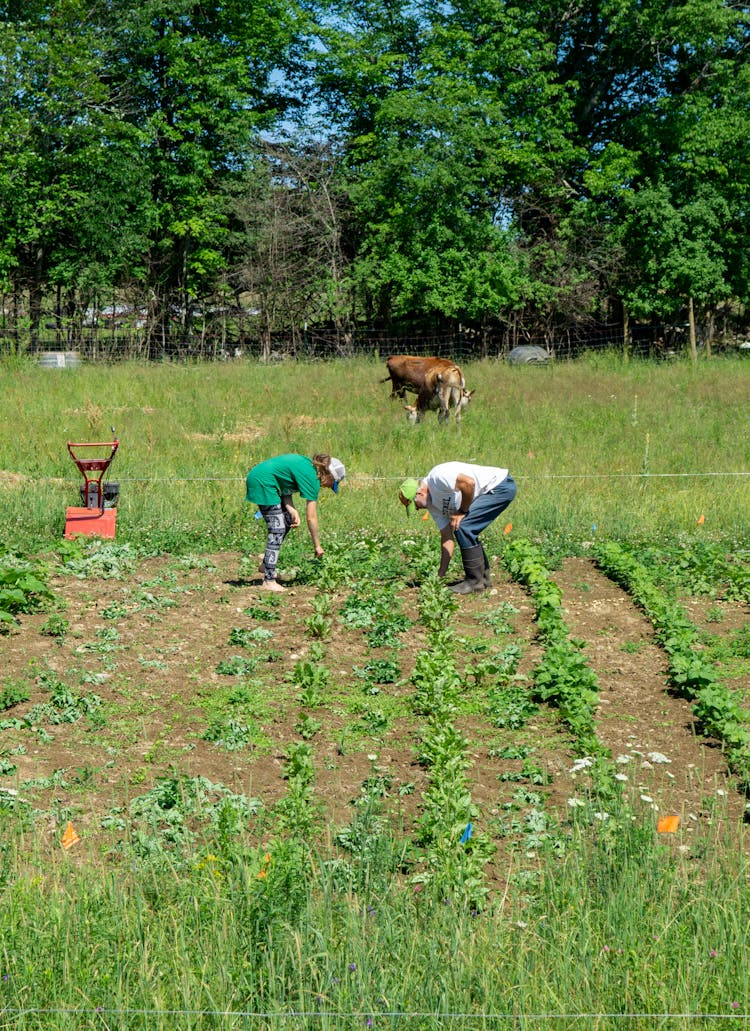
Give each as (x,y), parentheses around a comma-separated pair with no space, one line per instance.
(456,520)
(294,514)
(318,551)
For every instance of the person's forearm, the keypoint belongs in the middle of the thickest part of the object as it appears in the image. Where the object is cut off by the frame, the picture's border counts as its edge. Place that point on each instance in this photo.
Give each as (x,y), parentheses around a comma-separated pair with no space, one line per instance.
(446,554)
(288,507)
(312,526)
(311,515)
(465,486)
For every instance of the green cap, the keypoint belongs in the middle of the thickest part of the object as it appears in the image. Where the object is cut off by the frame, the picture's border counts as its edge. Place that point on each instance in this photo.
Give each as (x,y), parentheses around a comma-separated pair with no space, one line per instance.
(407,491)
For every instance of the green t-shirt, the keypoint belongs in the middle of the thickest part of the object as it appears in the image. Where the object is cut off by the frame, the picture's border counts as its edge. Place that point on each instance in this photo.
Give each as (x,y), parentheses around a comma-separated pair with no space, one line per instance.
(285,474)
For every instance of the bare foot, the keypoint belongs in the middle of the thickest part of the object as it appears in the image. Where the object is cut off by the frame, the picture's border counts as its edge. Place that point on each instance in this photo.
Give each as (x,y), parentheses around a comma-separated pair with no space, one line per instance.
(271,585)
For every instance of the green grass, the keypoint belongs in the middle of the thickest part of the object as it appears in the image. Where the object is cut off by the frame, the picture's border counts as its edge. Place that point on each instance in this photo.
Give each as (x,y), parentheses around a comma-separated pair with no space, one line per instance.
(240,920)
(634,450)
(615,928)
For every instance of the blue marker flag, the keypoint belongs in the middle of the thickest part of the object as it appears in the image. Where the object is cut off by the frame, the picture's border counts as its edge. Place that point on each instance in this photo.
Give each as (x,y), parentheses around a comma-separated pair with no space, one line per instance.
(259,514)
(467,833)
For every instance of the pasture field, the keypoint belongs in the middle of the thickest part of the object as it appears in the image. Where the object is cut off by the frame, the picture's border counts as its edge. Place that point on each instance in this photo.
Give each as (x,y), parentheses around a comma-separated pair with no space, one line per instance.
(635,450)
(366,802)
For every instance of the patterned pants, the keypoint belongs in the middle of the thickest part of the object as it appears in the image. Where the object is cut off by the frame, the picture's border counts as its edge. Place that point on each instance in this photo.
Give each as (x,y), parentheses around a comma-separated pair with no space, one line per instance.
(278,523)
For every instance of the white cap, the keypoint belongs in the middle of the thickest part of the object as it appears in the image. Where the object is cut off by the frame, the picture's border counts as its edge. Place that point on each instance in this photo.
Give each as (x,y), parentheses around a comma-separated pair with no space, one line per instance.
(337,471)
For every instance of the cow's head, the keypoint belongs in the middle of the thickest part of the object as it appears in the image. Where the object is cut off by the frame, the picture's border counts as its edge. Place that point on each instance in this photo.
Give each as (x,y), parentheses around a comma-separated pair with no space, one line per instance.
(413,414)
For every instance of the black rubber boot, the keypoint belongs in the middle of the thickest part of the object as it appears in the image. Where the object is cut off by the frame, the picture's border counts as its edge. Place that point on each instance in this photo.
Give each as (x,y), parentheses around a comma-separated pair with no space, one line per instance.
(487,576)
(473,560)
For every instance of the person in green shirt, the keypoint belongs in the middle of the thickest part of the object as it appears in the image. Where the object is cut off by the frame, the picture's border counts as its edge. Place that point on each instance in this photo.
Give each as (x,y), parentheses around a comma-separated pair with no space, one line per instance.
(271,484)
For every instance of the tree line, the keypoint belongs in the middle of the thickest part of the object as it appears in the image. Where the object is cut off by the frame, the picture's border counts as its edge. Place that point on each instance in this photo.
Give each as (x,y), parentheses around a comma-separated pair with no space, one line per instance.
(207,172)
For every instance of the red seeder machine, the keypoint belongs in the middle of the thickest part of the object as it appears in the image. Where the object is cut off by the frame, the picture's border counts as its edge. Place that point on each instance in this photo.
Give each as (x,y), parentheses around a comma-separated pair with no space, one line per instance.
(97,515)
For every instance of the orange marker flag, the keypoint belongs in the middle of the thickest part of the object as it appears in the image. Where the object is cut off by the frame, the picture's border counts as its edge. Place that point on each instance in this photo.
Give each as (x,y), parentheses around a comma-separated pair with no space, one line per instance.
(507,529)
(701,520)
(668,824)
(70,837)
(425,516)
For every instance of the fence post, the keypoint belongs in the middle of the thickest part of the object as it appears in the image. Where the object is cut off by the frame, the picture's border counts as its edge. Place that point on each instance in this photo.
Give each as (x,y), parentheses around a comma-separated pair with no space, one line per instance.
(625,331)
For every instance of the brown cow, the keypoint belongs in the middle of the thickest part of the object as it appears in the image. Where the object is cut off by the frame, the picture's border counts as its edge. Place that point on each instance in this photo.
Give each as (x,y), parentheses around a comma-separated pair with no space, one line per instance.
(407,372)
(441,390)
(437,382)
(414,414)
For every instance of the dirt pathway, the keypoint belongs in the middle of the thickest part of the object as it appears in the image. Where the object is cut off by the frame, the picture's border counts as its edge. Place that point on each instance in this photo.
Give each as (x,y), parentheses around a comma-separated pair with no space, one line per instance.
(651,733)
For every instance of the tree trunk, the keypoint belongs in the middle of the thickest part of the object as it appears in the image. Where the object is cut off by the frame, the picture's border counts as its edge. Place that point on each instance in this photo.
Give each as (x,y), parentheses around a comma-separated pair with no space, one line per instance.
(265,339)
(35,300)
(693,343)
(710,330)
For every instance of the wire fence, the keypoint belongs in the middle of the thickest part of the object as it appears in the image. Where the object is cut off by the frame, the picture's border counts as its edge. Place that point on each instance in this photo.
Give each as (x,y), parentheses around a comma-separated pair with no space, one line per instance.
(242,340)
(370,479)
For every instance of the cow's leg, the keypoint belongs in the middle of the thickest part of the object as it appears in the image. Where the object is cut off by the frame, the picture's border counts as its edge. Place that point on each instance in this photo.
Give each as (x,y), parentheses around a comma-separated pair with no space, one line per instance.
(455,400)
(444,412)
(424,403)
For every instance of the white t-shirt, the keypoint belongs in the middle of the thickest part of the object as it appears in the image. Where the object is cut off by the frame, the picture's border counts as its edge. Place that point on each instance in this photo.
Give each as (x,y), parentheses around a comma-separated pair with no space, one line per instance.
(445,500)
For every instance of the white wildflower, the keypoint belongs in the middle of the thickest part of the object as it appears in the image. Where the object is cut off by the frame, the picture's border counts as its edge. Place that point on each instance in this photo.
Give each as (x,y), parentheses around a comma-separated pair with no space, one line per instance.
(623,759)
(621,776)
(657,757)
(575,802)
(581,764)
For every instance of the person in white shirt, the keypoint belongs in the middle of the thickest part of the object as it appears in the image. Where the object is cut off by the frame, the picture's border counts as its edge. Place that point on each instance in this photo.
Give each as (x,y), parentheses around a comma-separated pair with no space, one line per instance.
(463,499)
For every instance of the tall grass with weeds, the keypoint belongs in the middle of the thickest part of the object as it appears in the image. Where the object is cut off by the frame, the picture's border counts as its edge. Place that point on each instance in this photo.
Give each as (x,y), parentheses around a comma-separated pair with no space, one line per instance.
(620,932)
(598,446)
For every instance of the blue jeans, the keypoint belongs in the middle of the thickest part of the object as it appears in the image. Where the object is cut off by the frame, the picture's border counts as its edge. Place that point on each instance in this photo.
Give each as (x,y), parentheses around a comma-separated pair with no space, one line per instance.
(482,511)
